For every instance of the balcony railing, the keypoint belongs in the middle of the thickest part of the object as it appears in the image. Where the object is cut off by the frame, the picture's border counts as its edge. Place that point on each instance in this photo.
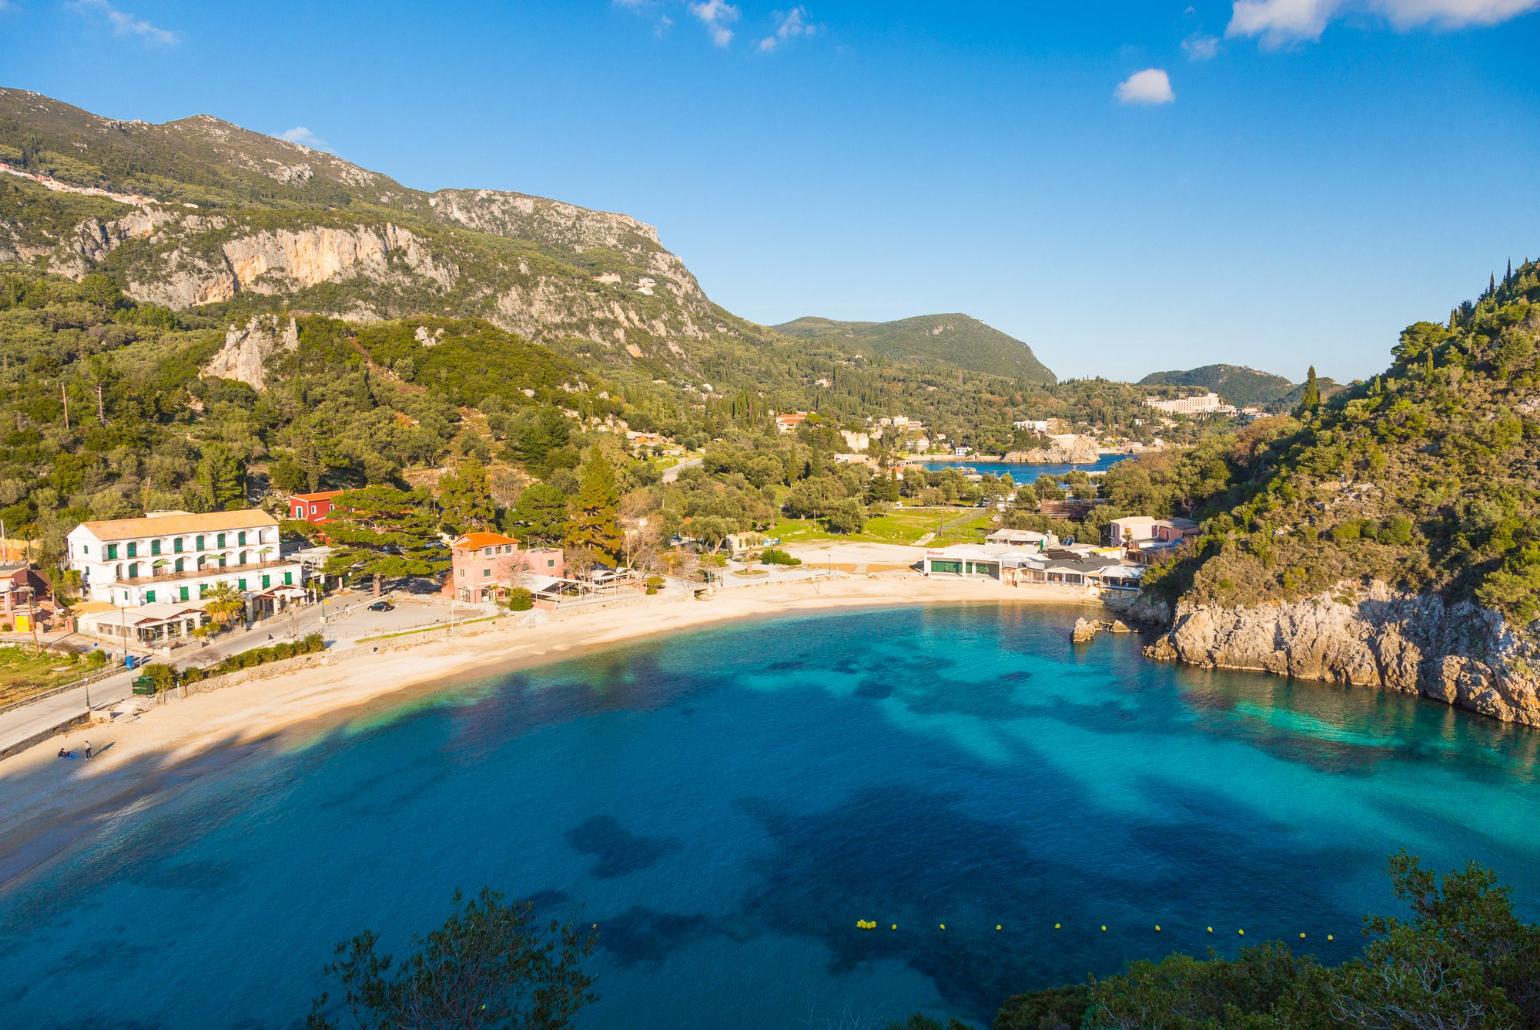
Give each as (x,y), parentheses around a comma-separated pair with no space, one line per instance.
(210,569)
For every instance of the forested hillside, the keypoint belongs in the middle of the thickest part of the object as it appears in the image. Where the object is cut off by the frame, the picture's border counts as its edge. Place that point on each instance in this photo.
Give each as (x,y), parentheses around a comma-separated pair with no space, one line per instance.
(1236,384)
(1426,477)
(954,339)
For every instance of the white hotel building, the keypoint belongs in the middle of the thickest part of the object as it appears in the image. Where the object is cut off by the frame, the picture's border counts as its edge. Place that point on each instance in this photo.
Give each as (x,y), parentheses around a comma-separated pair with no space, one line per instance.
(176,558)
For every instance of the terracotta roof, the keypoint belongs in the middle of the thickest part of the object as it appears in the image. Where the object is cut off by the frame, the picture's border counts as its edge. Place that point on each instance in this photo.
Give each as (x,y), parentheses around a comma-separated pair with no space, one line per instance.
(476,541)
(175,525)
(323,495)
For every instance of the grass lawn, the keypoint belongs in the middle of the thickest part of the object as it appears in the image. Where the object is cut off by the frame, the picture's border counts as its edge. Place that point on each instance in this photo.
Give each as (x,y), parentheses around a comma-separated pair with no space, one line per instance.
(901,526)
(24,671)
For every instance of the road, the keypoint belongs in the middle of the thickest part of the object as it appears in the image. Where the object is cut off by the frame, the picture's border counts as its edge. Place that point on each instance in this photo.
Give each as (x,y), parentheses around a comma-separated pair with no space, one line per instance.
(347,619)
(672,472)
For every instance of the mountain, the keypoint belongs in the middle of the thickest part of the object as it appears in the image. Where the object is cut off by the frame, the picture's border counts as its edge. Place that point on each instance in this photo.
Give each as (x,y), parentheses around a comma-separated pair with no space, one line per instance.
(1392,537)
(199,213)
(954,339)
(1236,384)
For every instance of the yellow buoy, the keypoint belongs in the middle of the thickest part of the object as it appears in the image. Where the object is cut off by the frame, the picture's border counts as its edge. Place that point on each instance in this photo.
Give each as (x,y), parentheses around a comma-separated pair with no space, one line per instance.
(1330,937)
(1056,926)
(1157,928)
(1104,928)
(1241,932)
(1301,936)
(997,928)
(1211,929)
(893,927)
(943,926)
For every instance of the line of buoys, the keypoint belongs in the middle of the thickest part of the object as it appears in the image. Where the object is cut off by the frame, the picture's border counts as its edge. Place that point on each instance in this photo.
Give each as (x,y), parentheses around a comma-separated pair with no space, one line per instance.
(871,924)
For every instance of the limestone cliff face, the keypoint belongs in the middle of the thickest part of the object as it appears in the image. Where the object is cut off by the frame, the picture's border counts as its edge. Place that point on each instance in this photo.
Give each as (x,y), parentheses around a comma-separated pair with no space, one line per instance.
(1460,653)
(246,349)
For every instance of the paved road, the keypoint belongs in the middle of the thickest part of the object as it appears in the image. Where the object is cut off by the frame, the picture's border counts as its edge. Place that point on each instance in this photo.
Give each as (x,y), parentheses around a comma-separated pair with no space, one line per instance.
(672,472)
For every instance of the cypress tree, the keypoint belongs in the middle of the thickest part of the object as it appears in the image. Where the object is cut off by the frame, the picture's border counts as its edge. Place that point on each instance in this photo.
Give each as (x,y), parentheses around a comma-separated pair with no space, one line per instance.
(595,523)
(1310,399)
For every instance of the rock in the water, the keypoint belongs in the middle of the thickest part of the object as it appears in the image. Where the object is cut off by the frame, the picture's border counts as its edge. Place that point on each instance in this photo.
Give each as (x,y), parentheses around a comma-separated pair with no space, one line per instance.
(1459,653)
(1085,630)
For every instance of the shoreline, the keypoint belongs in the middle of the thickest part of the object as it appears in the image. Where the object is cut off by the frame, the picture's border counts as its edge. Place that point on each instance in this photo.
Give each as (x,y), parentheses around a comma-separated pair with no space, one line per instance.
(49,806)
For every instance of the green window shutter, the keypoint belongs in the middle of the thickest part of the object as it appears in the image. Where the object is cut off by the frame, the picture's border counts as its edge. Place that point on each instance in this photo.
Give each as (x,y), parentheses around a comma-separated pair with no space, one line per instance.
(133,548)
(199,542)
(154,547)
(176,545)
(267,581)
(182,591)
(112,552)
(240,539)
(240,585)
(149,597)
(288,579)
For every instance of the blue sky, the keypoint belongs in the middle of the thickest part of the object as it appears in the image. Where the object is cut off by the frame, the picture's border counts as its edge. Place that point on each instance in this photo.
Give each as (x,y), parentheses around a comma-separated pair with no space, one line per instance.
(1128,186)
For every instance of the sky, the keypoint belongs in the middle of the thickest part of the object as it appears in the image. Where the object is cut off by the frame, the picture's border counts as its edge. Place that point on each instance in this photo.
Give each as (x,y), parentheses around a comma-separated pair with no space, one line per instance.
(1127,185)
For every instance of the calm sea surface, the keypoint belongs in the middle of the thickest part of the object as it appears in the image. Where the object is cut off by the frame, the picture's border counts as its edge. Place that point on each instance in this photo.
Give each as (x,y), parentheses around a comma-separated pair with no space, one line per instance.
(726,805)
(1022,473)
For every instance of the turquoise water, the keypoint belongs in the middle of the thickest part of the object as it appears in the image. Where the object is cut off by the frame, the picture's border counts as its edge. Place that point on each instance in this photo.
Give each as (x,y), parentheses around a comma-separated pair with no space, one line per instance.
(726,805)
(1021,472)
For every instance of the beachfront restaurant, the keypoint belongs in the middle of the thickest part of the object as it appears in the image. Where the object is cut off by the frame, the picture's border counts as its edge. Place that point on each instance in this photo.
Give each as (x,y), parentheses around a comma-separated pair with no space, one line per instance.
(148,626)
(963,560)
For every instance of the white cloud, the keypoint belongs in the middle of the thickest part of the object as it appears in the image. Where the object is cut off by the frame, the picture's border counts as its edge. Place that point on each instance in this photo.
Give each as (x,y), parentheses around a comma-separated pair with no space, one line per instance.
(1151,86)
(716,15)
(793,24)
(305,138)
(1279,23)
(1200,47)
(125,24)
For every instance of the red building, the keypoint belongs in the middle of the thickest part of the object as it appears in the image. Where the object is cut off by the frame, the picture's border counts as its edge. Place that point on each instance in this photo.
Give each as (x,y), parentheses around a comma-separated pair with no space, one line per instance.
(312,508)
(485,566)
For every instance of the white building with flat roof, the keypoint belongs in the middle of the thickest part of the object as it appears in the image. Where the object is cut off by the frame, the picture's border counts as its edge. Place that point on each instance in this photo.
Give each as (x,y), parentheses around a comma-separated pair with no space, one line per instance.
(178,557)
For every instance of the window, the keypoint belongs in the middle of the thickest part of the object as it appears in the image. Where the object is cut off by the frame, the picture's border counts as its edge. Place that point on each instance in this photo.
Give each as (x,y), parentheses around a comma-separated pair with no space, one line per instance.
(203,589)
(133,569)
(176,545)
(288,579)
(299,511)
(487,551)
(179,566)
(485,573)
(181,593)
(220,540)
(133,548)
(240,584)
(240,539)
(112,552)
(267,581)
(200,543)
(550,563)
(312,509)
(154,547)
(459,572)
(149,597)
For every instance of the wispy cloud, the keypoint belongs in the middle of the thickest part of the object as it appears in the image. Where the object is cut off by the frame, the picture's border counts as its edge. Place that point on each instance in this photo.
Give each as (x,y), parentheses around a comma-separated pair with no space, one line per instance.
(1200,47)
(1150,86)
(305,138)
(790,25)
(661,23)
(716,16)
(1279,23)
(125,24)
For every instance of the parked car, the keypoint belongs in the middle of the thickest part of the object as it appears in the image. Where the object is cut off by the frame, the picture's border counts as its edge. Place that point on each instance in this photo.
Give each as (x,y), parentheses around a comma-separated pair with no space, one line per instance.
(382,606)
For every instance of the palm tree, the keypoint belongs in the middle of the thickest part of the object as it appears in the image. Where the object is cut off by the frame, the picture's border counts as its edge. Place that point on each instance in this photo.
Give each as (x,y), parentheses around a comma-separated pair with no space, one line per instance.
(225,604)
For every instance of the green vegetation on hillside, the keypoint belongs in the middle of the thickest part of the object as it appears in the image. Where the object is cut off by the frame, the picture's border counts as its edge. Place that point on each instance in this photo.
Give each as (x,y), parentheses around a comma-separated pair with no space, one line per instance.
(1235,384)
(1425,477)
(953,339)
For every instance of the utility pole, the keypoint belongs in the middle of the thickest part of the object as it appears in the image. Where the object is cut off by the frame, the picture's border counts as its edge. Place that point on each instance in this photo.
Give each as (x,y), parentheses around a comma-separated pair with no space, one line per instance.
(65,397)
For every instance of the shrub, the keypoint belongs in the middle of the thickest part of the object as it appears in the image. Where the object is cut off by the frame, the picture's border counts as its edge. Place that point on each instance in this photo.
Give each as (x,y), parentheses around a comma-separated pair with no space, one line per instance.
(520,600)
(776,556)
(654,584)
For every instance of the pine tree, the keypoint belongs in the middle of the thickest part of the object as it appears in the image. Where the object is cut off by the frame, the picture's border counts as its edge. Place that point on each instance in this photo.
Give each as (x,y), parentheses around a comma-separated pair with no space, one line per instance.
(540,515)
(221,479)
(382,531)
(465,498)
(595,523)
(1508,275)
(1492,285)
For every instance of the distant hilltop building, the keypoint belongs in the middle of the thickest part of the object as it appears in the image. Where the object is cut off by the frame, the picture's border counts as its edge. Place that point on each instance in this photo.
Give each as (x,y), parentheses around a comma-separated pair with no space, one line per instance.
(789,423)
(1200,404)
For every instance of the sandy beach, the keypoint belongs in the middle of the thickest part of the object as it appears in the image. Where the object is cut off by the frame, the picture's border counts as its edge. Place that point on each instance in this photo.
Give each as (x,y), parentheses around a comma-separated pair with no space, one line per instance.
(47,804)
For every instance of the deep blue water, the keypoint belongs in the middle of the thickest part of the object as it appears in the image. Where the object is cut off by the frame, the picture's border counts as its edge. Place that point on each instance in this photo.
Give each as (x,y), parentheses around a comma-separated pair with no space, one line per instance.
(726,805)
(1021,472)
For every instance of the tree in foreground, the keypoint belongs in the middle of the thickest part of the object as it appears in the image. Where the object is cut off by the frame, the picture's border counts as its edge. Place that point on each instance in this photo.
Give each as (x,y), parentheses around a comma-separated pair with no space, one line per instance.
(489,965)
(225,604)
(595,521)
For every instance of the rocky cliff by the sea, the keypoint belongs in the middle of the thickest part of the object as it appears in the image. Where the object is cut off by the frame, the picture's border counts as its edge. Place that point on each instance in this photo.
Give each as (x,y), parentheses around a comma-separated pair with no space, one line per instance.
(1459,653)
(1061,449)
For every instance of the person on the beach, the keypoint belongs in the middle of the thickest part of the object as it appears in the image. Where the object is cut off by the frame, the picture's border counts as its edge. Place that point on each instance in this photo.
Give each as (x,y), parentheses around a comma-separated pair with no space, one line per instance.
(63,753)
(87,750)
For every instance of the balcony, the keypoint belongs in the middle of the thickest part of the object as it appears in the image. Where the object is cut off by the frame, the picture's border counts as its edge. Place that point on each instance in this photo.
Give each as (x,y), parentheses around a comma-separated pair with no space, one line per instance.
(208,570)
